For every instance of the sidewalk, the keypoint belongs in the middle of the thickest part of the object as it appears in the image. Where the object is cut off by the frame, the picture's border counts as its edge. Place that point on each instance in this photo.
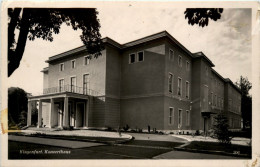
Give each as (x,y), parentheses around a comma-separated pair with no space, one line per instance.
(53,142)
(235,140)
(87,133)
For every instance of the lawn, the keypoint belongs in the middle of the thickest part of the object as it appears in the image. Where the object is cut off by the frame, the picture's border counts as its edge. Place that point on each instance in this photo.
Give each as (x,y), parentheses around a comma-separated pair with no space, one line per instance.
(153,143)
(215,146)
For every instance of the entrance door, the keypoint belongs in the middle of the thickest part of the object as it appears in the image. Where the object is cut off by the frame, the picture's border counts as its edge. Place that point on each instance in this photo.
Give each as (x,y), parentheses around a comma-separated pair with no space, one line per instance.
(80,110)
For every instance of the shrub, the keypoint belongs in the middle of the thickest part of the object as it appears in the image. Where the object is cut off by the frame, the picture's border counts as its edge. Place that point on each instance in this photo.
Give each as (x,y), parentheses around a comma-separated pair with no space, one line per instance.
(161,133)
(108,129)
(171,133)
(68,128)
(140,130)
(197,133)
(126,127)
(221,129)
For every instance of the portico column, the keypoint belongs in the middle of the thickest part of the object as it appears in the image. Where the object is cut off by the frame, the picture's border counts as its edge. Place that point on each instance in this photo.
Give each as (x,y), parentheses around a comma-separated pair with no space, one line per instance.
(86,113)
(66,113)
(40,115)
(29,114)
(51,113)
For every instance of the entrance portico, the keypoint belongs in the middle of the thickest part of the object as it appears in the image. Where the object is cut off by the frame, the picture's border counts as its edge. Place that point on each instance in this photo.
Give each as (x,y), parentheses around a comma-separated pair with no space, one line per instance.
(60,110)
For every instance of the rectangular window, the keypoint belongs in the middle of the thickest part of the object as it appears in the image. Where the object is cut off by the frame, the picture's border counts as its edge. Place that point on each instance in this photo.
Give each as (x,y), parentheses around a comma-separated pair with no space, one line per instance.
(61,85)
(187,87)
(73,63)
(216,100)
(62,67)
(171,54)
(229,104)
(187,118)
(86,60)
(72,84)
(180,61)
(179,89)
(212,100)
(170,82)
(187,65)
(131,58)
(206,71)
(140,56)
(206,98)
(85,83)
(179,117)
(171,116)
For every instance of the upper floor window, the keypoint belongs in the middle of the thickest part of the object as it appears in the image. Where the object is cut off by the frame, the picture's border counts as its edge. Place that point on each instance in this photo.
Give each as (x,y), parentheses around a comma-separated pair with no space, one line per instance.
(171,115)
(86,60)
(140,56)
(170,85)
(62,67)
(132,58)
(61,85)
(187,86)
(72,84)
(206,71)
(73,63)
(229,104)
(180,61)
(179,89)
(187,65)
(171,54)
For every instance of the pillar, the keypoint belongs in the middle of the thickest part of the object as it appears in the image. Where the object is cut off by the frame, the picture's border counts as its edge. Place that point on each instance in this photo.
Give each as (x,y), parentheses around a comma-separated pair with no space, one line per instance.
(51,113)
(40,114)
(86,113)
(66,113)
(29,114)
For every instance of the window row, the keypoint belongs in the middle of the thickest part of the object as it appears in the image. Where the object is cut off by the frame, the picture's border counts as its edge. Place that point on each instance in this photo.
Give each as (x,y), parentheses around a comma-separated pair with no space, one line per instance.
(72,87)
(179,86)
(171,57)
(180,113)
(232,106)
(73,63)
(136,57)
(217,101)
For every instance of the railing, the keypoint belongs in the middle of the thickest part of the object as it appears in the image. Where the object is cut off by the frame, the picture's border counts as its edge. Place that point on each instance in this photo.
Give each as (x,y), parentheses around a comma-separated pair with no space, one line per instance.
(72,89)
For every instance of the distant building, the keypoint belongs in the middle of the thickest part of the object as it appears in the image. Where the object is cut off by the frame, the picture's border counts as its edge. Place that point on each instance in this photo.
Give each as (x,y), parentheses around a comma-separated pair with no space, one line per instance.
(152,81)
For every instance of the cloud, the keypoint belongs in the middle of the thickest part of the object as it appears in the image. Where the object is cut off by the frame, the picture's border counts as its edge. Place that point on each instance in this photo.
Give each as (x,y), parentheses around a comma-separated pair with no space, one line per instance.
(226,42)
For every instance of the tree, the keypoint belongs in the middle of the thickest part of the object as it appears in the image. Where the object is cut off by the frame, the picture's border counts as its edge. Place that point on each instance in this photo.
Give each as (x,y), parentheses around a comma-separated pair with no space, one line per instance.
(220,128)
(201,16)
(246,101)
(17,106)
(43,22)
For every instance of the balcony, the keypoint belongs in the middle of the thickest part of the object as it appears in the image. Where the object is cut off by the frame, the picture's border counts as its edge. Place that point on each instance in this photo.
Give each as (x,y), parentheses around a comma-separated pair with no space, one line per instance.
(71,89)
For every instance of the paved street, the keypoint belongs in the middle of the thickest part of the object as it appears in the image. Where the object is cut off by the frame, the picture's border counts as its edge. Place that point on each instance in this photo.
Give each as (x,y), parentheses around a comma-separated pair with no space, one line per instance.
(137,150)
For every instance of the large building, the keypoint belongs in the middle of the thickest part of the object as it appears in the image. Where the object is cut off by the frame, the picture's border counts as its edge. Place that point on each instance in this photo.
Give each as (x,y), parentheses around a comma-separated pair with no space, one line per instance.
(151,81)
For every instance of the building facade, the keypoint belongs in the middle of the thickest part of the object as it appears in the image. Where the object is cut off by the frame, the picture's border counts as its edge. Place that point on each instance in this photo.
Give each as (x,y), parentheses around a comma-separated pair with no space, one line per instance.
(151,81)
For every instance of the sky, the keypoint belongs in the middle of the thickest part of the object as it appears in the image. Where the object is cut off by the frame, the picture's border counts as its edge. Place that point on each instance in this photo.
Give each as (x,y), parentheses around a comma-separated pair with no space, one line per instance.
(226,42)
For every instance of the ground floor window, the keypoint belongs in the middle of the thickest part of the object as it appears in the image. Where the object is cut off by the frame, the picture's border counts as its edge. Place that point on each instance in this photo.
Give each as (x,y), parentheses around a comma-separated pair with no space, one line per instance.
(179,117)
(187,118)
(171,115)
